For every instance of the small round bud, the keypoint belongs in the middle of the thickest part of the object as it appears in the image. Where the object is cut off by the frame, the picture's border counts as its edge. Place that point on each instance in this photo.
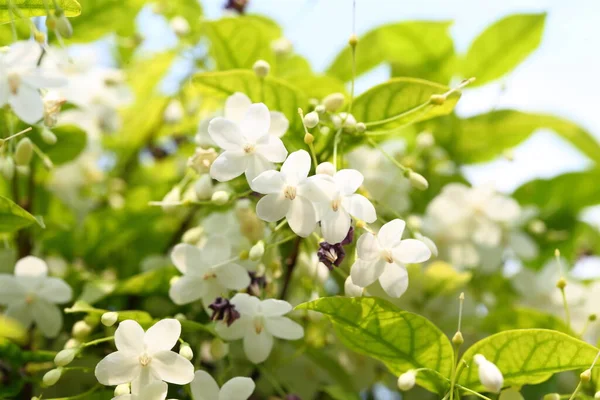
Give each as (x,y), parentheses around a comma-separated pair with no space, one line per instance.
(407,380)
(180,317)
(586,376)
(326,168)
(186,352)
(414,222)
(437,99)
(261,68)
(72,343)
(39,37)
(353,41)
(174,112)
(48,136)
(537,226)
(220,197)
(592,317)
(562,283)
(51,22)
(552,396)
(425,140)
(361,127)
(24,152)
(51,377)
(122,390)
(180,26)
(309,138)
(418,181)
(218,349)
(320,109)
(64,27)
(81,330)
(311,119)
(109,318)
(65,357)
(489,374)
(203,187)
(334,102)
(324,130)
(8,168)
(282,46)
(344,120)
(257,251)
(458,339)
(193,235)
(556,253)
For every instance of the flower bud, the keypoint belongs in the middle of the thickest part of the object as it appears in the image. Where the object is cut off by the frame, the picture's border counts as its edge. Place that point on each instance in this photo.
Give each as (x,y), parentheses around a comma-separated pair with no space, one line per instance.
(220,197)
(81,330)
(326,168)
(48,136)
(174,112)
(174,196)
(282,46)
(203,187)
(72,343)
(344,120)
(51,377)
(24,152)
(418,181)
(109,318)
(437,99)
(122,390)
(309,138)
(180,26)
(425,140)
(353,41)
(51,22)
(8,168)
(311,119)
(407,380)
(562,283)
(218,349)
(552,396)
(193,235)
(64,357)
(261,68)
(489,374)
(257,251)
(64,27)
(185,351)
(320,109)
(39,37)
(334,102)
(586,376)
(458,339)
(361,127)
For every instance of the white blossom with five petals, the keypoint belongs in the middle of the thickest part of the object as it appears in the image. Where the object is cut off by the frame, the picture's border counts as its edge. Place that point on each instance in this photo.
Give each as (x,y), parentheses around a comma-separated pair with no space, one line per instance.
(31,296)
(383,256)
(259,322)
(144,357)
(204,387)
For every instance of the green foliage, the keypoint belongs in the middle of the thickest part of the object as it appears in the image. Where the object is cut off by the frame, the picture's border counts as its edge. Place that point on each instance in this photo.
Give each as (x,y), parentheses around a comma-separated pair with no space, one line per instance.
(71,141)
(35,8)
(400,339)
(11,329)
(503,46)
(142,317)
(13,217)
(523,318)
(527,356)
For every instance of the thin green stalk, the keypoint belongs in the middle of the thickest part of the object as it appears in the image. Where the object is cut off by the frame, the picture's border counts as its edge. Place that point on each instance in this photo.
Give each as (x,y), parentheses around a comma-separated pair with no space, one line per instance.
(98,341)
(474,393)
(577,389)
(387,155)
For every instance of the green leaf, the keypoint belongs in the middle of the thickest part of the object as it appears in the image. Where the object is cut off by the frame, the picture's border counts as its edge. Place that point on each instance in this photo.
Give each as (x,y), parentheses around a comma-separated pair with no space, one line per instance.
(523,318)
(239,42)
(503,46)
(423,47)
(527,356)
(341,393)
(36,8)
(277,94)
(142,317)
(13,217)
(400,339)
(150,282)
(401,101)
(485,136)
(71,141)
(441,278)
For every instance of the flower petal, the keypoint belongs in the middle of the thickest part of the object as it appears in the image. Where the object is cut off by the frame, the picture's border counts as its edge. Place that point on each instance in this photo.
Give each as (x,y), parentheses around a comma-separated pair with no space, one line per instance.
(411,251)
(20,312)
(296,167)
(55,290)
(117,368)
(317,188)
(154,391)
(229,165)
(170,367)
(237,388)
(274,307)
(40,79)
(335,225)
(360,207)
(284,328)
(10,289)
(235,331)
(27,104)
(368,248)
(256,165)
(258,346)
(348,181)
(31,266)
(301,216)
(48,317)
(204,387)
(271,148)
(226,134)
(188,259)
(390,234)
(187,289)
(236,107)
(364,273)
(279,124)
(394,280)
(163,335)
(233,276)
(268,182)
(216,250)
(273,207)
(256,122)
(352,290)
(129,338)
(246,304)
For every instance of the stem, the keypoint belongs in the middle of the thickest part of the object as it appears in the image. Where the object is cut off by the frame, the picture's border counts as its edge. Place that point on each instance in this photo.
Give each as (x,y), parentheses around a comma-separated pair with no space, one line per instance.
(387,155)
(291,264)
(472,392)
(17,134)
(282,241)
(311,146)
(98,341)
(574,395)
(79,396)
(336,140)
(353,47)
(566,306)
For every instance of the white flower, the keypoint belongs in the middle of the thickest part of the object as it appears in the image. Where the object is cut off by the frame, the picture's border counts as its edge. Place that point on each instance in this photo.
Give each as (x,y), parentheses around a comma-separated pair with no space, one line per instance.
(259,322)
(335,214)
(352,290)
(174,112)
(31,296)
(153,391)
(489,374)
(249,146)
(383,256)
(207,274)
(144,357)
(290,194)
(204,387)
(21,80)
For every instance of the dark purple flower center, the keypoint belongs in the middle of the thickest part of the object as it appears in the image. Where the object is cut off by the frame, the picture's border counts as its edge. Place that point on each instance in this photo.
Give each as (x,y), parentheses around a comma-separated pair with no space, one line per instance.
(237,5)
(257,284)
(223,310)
(332,255)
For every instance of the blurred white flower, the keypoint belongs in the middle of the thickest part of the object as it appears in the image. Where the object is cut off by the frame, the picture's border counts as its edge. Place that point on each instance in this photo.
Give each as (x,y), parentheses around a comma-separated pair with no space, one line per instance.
(204,387)
(383,256)
(31,296)
(259,322)
(173,112)
(207,272)
(144,357)
(153,391)
(290,194)
(180,25)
